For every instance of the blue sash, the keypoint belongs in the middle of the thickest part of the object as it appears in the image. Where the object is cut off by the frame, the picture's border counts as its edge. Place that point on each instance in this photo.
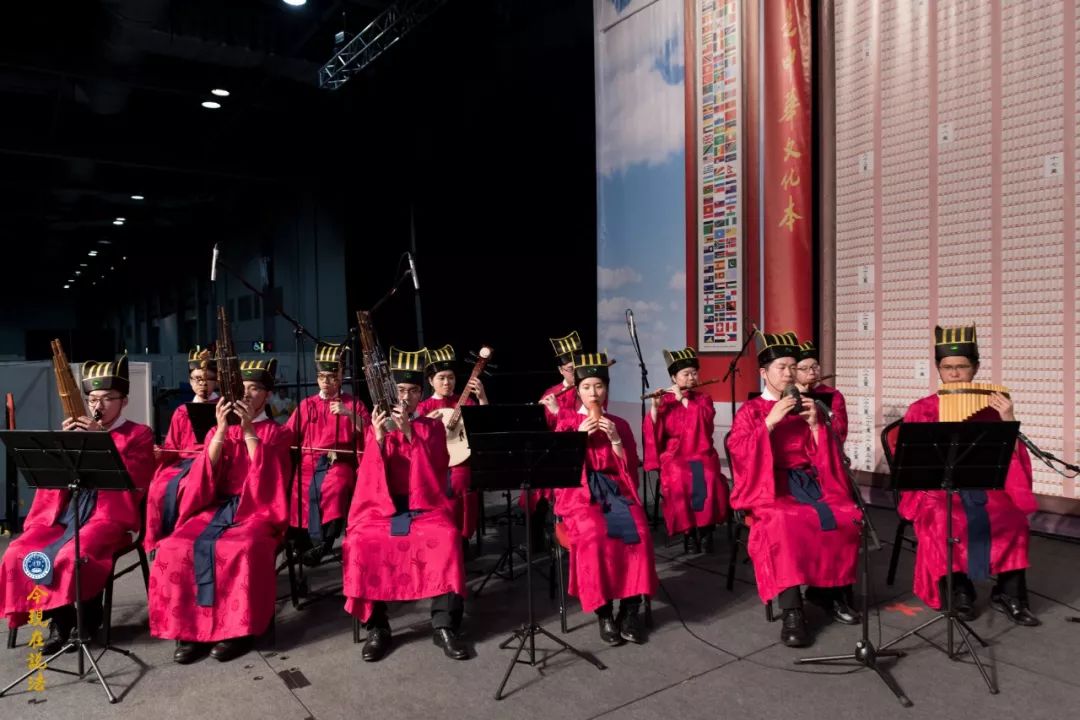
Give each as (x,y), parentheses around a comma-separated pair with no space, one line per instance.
(698,489)
(978,527)
(204,550)
(170,511)
(87,502)
(314,528)
(616,508)
(804,487)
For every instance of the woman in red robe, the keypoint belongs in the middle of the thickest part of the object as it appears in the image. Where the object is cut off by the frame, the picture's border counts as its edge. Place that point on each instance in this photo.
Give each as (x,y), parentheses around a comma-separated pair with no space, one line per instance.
(108,519)
(808,380)
(178,453)
(329,428)
(442,377)
(693,489)
(402,542)
(991,525)
(213,580)
(804,524)
(611,551)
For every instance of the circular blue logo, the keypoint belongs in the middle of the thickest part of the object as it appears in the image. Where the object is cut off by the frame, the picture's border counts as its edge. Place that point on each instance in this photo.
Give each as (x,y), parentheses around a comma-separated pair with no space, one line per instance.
(36,565)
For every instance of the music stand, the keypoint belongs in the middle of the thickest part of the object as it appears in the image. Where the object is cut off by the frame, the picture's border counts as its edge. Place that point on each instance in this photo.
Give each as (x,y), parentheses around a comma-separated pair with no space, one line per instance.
(527,460)
(953,456)
(203,416)
(73,461)
(485,419)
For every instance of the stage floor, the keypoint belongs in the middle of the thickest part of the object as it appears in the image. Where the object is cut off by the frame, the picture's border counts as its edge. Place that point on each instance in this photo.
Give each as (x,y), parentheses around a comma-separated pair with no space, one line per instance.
(711,654)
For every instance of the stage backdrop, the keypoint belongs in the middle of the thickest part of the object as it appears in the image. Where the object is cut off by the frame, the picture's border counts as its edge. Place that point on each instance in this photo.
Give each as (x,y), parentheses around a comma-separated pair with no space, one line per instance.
(640,188)
(956,142)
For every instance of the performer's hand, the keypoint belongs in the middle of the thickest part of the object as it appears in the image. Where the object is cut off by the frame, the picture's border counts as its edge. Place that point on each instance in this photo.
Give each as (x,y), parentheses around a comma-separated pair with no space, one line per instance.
(809,412)
(588,425)
(244,413)
(339,408)
(551,403)
(402,421)
(86,423)
(222,413)
(609,429)
(779,411)
(1003,405)
(477,388)
(71,424)
(379,419)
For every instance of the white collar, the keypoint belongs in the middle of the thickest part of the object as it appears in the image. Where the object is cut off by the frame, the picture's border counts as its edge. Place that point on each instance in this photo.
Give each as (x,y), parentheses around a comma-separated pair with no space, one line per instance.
(120,420)
(261,416)
(213,398)
(322,396)
(767,394)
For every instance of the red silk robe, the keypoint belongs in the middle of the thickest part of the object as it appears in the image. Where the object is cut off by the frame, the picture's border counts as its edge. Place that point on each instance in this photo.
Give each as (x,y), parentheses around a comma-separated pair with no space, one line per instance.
(244,570)
(682,435)
(604,568)
(460,482)
(568,402)
(110,527)
(426,562)
(181,436)
(323,429)
(1008,510)
(787,545)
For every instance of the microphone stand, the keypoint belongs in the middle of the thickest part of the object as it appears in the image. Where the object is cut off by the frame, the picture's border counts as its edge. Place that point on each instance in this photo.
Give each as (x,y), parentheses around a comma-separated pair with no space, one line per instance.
(733,368)
(644,390)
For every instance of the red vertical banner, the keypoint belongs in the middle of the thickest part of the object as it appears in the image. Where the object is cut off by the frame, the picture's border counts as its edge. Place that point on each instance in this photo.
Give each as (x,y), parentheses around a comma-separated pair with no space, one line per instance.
(788,196)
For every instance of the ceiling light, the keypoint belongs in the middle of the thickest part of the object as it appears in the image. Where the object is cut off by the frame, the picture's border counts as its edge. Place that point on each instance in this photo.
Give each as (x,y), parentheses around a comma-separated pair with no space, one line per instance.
(71,280)
(137,197)
(220,92)
(117,222)
(124,258)
(122,219)
(295,3)
(112,267)
(83,265)
(94,283)
(104,242)
(66,287)
(77,274)
(211,104)
(92,253)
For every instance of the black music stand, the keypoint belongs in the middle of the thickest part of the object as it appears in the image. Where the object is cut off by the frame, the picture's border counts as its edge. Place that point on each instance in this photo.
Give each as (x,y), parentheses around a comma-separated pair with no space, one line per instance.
(73,461)
(203,416)
(953,456)
(485,419)
(527,460)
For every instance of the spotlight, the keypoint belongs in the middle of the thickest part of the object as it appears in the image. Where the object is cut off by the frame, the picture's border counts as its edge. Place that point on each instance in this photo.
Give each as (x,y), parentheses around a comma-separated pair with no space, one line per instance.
(295,3)
(211,104)
(104,242)
(117,222)
(137,197)
(77,274)
(92,253)
(220,92)
(83,265)
(66,287)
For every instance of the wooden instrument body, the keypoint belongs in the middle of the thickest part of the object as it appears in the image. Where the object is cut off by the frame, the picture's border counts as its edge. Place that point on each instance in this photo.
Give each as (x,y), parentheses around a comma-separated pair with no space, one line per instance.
(230,381)
(380,380)
(457,442)
(958,401)
(71,397)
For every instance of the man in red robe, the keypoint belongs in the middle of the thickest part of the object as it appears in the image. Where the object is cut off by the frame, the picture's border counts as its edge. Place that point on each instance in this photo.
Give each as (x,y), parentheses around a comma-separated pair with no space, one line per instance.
(329,428)
(178,452)
(990,526)
(611,551)
(804,524)
(213,579)
(808,380)
(680,426)
(441,374)
(402,543)
(108,519)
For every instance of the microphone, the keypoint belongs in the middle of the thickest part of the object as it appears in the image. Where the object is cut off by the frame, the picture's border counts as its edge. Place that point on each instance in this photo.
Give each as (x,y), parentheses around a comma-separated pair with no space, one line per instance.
(412,271)
(213,264)
(630,322)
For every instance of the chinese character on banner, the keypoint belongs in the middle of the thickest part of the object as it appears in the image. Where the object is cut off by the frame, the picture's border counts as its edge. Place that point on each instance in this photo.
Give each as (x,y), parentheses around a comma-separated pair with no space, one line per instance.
(36,659)
(790,216)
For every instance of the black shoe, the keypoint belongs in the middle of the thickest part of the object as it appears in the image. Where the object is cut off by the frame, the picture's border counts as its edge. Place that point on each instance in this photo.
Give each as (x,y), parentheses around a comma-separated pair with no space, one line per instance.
(630,628)
(793,633)
(709,544)
(963,605)
(842,612)
(233,648)
(57,638)
(188,652)
(609,631)
(378,642)
(1014,609)
(448,640)
(313,557)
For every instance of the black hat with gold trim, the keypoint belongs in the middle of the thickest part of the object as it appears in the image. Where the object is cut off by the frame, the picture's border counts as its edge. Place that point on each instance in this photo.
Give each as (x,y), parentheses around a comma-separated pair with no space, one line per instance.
(676,360)
(591,365)
(328,356)
(807,351)
(441,359)
(106,376)
(261,371)
(956,340)
(566,347)
(771,346)
(408,367)
(200,358)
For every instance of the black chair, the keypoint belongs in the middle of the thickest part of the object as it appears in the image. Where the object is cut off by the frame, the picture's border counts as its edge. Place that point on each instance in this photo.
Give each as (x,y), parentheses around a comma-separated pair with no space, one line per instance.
(888,440)
(739,532)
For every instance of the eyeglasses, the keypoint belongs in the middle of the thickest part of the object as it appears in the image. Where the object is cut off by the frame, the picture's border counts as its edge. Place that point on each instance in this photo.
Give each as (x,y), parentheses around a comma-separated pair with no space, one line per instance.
(808,368)
(326,377)
(199,380)
(95,401)
(411,390)
(950,368)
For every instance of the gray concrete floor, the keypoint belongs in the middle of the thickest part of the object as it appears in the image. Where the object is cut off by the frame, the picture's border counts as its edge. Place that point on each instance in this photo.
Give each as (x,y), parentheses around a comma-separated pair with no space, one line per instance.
(711,654)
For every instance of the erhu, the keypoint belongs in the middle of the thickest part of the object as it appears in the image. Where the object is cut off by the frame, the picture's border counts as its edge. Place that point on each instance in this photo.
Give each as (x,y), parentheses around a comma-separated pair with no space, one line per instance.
(380,381)
(71,397)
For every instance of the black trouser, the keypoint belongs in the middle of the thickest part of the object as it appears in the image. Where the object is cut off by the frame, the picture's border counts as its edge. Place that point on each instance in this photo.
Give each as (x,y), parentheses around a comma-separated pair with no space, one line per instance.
(63,617)
(791,598)
(1012,583)
(446,612)
(627,606)
(539,523)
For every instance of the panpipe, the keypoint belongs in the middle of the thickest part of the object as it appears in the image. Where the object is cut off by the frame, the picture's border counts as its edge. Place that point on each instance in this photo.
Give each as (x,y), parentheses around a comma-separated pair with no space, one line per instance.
(958,401)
